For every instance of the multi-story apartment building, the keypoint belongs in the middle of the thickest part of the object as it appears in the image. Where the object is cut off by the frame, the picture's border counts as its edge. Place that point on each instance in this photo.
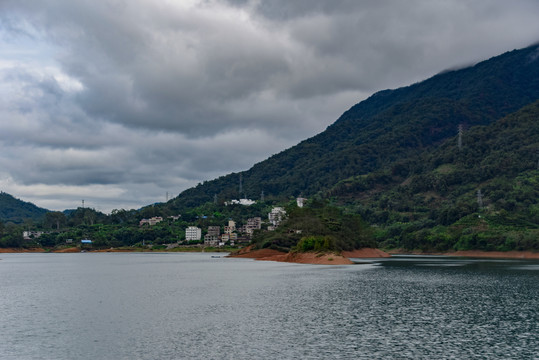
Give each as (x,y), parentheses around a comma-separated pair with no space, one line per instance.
(214,230)
(193,233)
(231,227)
(276,216)
(211,240)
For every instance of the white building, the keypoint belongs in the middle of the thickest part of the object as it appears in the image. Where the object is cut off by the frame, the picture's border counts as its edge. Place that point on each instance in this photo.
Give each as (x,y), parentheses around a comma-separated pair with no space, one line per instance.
(300,201)
(244,202)
(193,233)
(151,221)
(28,235)
(276,216)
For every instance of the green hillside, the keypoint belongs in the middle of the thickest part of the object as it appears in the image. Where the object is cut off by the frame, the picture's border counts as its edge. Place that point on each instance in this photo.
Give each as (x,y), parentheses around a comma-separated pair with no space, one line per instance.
(390,172)
(394,160)
(482,196)
(16,211)
(388,127)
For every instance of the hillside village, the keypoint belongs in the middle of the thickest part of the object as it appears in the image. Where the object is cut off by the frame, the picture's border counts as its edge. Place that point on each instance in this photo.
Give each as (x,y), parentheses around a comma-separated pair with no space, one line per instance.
(231,234)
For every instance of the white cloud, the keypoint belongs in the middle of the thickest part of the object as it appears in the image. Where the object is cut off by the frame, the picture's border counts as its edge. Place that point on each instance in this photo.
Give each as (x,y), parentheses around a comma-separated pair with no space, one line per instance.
(120,102)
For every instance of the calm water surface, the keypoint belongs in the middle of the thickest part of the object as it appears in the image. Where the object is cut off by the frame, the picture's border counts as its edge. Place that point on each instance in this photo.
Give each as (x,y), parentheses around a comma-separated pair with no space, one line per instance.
(193,306)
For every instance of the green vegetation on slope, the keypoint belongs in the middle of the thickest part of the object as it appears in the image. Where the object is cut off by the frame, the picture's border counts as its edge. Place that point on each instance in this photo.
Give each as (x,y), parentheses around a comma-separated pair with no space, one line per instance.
(387,128)
(391,160)
(17,211)
(318,227)
(483,196)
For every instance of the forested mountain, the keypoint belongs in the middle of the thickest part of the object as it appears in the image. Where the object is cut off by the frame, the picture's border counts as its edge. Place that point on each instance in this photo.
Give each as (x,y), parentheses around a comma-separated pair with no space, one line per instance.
(395,160)
(385,129)
(448,163)
(16,211)
(481,195)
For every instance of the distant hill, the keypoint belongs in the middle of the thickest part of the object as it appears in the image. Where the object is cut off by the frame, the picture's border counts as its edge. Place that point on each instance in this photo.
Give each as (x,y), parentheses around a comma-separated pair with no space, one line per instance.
(16,211)
(384,130)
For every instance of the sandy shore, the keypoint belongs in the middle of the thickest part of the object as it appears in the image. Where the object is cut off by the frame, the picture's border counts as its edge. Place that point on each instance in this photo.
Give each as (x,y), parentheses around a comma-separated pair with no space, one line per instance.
(366,253)
(300,258)
(68,250)
(309,257)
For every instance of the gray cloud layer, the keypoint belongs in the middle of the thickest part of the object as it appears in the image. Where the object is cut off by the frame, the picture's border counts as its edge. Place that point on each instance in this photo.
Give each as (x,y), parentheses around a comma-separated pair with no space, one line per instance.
(118,102)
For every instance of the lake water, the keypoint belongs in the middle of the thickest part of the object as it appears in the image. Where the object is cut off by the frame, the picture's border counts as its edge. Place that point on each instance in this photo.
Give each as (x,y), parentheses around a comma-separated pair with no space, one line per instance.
(193,306)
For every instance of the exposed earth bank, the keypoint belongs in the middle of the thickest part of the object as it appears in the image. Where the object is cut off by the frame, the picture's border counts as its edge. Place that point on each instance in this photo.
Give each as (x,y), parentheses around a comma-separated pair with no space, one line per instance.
(21,250)
(309,257)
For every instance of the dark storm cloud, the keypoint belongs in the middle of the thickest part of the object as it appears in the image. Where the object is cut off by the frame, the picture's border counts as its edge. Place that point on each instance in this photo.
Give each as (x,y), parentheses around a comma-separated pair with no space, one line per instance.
(121,101)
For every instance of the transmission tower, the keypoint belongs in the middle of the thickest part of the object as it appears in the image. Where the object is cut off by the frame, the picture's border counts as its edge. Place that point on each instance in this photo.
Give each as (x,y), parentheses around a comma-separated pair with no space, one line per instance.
(262,196)
(459,141)
(479,199)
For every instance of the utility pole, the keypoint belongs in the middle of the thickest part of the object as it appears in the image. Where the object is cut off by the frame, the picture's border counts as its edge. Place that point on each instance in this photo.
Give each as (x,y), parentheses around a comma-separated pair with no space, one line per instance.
(262,196)
(215,198)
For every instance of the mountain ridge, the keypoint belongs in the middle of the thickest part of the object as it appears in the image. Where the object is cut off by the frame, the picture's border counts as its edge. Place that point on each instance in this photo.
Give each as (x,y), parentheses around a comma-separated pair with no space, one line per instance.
(388,126)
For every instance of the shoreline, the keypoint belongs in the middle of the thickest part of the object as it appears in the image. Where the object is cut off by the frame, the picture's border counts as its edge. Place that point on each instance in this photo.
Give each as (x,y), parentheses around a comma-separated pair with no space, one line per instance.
(78,250)
(524,255)
(309,257)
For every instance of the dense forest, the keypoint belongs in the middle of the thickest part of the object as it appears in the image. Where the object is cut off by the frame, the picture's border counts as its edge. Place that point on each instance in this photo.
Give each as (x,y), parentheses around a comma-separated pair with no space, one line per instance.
(448,163)
(483,195)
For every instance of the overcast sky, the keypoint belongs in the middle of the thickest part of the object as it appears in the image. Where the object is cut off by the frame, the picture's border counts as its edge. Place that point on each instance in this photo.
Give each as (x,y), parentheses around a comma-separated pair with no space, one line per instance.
(118,102)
